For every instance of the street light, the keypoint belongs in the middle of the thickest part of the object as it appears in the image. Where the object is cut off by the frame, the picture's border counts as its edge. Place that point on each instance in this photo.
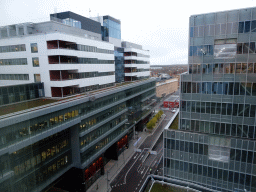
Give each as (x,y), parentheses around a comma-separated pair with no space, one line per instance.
(134,129)
(123,155)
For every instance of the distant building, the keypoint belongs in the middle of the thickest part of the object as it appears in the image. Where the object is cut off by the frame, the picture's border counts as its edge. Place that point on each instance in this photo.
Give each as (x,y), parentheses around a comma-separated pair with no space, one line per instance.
(164,76)
(166,87)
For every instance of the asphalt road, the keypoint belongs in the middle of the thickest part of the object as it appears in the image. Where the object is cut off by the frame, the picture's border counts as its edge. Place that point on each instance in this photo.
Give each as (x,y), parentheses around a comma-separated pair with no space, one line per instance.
(133,175)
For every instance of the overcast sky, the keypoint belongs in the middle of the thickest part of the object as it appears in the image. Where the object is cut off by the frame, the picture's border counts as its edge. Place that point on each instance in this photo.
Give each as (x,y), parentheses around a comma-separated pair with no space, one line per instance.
(159,26)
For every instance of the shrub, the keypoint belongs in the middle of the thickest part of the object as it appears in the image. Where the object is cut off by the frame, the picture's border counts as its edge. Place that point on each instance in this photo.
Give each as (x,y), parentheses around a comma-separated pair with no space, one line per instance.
(153,121)
(157,115)
(150,125)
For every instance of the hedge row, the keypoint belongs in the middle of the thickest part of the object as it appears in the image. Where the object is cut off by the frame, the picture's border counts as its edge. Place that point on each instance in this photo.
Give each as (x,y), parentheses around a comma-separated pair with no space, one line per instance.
(153,121)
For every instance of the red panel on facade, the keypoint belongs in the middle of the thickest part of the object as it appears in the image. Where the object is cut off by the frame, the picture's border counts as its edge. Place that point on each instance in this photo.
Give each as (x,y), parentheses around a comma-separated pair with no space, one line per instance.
(87,174)
(53,59)
(54,75)
(56,91)
(64,75)
(52,44)
(127,78)
(101,162)
(171,104)
(67,91)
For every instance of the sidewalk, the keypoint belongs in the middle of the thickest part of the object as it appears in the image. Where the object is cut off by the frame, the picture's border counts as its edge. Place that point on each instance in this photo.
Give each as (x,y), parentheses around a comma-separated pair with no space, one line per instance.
(112,168)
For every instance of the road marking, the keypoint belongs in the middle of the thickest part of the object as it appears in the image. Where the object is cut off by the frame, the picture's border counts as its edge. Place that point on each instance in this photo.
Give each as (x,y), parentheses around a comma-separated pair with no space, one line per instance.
(130,168)
(139,168)
(143,168)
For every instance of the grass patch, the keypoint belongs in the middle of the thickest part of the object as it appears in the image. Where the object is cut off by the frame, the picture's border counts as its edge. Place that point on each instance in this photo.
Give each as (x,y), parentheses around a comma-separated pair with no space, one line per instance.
(12,108)
(24,105)
(157,187)
(175,123)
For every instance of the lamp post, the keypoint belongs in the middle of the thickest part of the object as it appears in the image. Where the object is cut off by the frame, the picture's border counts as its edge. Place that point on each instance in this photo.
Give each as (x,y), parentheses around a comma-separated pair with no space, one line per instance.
(134,129)
(123,156)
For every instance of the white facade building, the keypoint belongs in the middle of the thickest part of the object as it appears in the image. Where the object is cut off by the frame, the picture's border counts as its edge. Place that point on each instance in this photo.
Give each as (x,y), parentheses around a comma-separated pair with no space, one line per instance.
(65,62)
(136,61)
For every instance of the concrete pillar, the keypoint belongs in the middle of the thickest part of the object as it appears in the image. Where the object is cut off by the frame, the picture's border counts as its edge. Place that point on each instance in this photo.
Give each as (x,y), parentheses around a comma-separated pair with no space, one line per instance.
(74,133)
(25,29)
(17,30)
(8,31)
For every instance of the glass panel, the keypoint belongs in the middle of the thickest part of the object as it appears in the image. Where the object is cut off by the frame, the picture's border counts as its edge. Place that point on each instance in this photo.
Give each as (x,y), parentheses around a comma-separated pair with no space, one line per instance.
(241,27)
(252,47)
(253,26)
(34,48)
(245,48)
(35,61)
(247,26)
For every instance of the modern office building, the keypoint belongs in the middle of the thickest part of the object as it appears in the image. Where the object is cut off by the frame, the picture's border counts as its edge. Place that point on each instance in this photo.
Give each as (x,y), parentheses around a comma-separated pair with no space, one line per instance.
(62,117)
(136,61)
(67,53)
(131,61)
(215,144)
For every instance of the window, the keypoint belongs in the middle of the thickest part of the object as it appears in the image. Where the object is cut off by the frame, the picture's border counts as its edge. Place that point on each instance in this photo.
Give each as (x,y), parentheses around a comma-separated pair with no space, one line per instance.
(20,61)
(14,77)
(241,27)
(43,156)
(12,48)
(191,31)
(225,48)
(219,149)
(252,47)
(35,61)
(34,48)
(209,30)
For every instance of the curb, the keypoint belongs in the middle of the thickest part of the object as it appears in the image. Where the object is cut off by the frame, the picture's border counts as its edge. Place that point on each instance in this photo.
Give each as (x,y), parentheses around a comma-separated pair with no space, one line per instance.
(146,156)
(132,153)
(91,189)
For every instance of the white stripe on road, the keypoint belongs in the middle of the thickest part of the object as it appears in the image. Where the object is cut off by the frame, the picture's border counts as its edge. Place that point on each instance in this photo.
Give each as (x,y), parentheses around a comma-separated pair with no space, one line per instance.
(130,168)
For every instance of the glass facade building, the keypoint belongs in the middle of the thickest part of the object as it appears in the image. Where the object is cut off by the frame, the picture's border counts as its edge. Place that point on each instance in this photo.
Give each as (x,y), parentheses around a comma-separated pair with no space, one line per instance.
(17,93)
(112,27)
(39,145)
(215,144)
(119,64)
